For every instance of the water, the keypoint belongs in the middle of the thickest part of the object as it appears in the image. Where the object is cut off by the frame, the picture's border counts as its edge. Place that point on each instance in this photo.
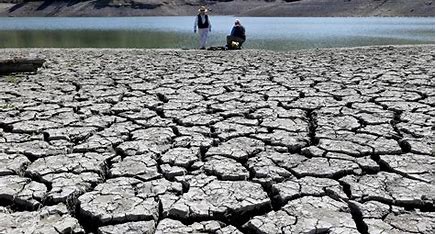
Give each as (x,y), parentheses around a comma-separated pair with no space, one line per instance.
(284,33)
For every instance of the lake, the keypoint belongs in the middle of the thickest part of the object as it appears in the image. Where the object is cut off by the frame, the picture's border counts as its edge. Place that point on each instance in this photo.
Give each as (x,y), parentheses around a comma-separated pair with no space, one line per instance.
(272,33)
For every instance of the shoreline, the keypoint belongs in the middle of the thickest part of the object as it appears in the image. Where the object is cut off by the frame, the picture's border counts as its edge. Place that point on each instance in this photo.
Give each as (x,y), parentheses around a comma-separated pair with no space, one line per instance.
(229,15)
(230,51)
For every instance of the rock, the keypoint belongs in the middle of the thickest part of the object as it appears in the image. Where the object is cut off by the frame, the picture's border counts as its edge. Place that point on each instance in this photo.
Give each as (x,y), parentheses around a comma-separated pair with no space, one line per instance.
(34,149)
(183,157)
(236,127)
(306,215)
(174,226)
(141,227)
(140,166)
(293,141)
(237,148)
(306,186)
(407,222)
(116,201)
(22,191)
(225,168)
(154,140)
(35,126)
(66,186)
(50,220)
(273,222)
(391,188)
(218,199)
(323,167)
(12,164)
(263,167)
(70,133)
(76,163)
(415,165)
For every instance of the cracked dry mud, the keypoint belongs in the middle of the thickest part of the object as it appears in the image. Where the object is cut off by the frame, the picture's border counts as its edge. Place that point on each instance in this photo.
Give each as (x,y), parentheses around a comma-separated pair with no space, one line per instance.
(173,141)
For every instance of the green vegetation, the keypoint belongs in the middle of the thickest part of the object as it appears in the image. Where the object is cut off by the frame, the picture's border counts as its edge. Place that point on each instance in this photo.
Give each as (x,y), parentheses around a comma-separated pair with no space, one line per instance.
(11,79)
(5,106)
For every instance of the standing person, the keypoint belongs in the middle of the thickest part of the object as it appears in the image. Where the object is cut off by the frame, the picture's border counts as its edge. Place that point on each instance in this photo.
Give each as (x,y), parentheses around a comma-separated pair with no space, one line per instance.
(237,36)
(204,26)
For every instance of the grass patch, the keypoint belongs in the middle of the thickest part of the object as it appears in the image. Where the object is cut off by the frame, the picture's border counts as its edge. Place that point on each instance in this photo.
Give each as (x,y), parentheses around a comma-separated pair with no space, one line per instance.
(12,79)
(5,106)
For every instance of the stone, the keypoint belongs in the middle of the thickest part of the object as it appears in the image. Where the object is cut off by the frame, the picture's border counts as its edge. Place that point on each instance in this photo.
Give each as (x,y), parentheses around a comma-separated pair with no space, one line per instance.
(271,223)
(225,168)
(154,140)
(142,166)
(183,157)
(22,191)
(172,171)
(306,186)
(69,186)
(415,165)
(116,201)
(33,149)
(49,219)
(70,133)
(263,167)
(291,125)
(33,126)
(404,222)
(174,226)
(391,188)
(237,148)
(234,127)
(324,167)
(219,199)
(306,215)
(292,140)
(13,164)
(140,227)
(74,163)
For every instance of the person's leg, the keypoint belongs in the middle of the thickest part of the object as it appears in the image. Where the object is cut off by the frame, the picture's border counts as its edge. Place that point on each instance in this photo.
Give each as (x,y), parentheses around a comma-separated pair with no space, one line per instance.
(241,41)
(229,40)
(203,37)
(238,39)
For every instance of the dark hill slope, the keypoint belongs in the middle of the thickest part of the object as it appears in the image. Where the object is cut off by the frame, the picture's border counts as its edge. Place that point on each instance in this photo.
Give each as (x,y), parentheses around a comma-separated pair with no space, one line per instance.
(301,8)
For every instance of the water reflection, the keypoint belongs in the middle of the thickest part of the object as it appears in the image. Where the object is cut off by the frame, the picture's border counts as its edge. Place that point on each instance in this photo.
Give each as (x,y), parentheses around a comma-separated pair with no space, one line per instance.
(94,38)
(176,32)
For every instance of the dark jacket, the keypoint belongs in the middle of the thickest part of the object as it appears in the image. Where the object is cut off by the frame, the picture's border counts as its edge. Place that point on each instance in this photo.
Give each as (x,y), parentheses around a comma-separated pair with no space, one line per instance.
(201,24)
(238,31)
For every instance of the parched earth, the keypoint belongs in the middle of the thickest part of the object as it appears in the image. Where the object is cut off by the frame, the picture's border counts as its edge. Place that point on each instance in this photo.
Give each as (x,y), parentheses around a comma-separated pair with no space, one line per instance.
(174,141)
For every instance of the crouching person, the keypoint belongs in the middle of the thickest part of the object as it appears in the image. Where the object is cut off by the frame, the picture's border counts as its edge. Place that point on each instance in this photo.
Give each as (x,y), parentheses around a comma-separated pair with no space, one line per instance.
(236,37)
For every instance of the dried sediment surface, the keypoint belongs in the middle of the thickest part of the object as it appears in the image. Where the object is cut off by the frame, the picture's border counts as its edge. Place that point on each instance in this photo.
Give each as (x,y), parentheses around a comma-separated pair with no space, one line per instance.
(180,141)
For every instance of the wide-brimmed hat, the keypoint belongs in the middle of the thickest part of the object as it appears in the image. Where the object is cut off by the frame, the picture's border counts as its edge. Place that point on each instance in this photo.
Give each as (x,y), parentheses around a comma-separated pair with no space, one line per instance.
(203,8)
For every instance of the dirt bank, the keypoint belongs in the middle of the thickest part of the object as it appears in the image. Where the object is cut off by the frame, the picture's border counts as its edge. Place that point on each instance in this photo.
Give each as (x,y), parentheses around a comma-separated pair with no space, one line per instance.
(290,8)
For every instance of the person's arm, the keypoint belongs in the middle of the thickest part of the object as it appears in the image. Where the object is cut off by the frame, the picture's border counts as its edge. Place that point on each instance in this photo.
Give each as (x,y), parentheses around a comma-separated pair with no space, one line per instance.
(232,33)
(195,24)
(210,25)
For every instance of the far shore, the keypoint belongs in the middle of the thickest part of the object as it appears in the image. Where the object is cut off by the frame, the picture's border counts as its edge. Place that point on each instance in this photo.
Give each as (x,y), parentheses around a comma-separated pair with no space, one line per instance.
(277,8)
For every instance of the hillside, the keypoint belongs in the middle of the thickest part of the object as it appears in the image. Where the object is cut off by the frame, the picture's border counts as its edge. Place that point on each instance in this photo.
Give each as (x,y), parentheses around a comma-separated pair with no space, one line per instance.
(292,8)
